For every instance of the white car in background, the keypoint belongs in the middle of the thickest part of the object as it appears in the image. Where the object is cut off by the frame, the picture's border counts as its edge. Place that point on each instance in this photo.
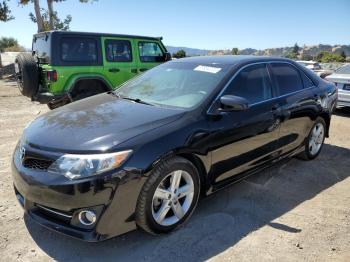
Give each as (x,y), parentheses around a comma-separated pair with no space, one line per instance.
(312,65)
(341,78)
(316,67)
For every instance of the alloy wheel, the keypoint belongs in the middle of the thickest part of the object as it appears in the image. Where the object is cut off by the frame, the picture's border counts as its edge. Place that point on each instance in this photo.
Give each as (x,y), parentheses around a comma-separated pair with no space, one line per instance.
(316,139)
(173,198)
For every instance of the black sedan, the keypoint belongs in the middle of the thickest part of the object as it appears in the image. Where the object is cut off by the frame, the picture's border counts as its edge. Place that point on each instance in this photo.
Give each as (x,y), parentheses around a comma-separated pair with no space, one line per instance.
(142,156)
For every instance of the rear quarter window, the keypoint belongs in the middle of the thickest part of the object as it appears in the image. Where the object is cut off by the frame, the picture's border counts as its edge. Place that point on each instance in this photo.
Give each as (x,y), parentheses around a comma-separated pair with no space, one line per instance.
(306,80)
(287,78)
(78,49)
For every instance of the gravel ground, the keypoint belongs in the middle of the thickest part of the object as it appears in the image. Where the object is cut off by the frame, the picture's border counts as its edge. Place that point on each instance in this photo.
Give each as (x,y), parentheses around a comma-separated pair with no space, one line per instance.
(298,211)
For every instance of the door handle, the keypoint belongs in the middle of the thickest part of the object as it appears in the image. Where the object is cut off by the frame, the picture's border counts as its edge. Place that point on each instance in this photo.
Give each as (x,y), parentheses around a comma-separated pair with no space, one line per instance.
(134,70)
(143,69)
(114,70)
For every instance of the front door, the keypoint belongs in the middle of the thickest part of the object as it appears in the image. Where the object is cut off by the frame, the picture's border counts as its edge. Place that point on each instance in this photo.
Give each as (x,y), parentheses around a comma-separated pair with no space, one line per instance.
(119,60)
(150,54)
(245,140)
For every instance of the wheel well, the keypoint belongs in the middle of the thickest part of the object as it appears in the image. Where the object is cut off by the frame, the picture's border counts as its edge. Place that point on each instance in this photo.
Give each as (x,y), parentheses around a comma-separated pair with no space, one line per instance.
(201,170)
(327,119)
(89,86)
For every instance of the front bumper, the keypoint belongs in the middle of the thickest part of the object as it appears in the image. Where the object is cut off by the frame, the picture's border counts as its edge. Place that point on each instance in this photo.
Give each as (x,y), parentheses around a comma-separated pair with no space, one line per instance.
(55,202)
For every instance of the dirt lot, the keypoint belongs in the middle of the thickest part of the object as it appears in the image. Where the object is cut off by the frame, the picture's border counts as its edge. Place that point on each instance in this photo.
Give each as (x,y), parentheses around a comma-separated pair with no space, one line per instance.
(299,211)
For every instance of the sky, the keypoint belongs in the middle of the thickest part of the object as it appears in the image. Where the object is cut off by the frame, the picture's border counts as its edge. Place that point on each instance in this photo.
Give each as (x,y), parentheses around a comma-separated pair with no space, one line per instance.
(204,24)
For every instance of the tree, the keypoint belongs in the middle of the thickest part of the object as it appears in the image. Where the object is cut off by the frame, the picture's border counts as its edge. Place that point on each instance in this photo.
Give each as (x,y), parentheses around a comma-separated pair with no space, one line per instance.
(180,54)
(343,55)
(46,19)
(291,55)
(5,12)
(51,24)
(39,19)
(10,44)
(294,54)
(296,49)
(235,51)
(306,57)
(327,57)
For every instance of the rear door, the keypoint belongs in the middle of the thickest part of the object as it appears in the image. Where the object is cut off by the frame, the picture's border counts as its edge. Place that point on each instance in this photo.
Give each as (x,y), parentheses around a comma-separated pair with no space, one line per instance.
(246,140)
(119,59)
(296,97)
(150,54)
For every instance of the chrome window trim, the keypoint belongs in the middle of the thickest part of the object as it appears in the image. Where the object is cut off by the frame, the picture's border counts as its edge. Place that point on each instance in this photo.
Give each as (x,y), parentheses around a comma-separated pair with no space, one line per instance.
(257,63)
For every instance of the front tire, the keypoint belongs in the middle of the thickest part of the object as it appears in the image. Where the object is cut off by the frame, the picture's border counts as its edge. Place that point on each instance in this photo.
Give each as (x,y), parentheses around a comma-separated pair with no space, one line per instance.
(314,141)
(169,196)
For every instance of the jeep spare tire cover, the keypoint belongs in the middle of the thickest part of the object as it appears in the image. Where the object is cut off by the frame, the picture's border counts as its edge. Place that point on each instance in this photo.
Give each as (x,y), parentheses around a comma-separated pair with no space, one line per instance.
(27,74)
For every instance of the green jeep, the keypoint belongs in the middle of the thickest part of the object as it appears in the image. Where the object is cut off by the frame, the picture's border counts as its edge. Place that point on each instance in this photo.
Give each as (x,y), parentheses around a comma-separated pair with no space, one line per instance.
(68,66)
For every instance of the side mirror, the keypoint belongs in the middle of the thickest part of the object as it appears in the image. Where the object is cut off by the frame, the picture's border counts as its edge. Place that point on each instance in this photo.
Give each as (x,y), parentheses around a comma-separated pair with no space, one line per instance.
(233,103)
(167,56)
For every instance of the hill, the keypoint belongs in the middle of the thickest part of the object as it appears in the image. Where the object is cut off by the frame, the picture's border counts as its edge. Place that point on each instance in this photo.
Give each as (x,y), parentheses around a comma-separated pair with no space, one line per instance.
(311,50)
(189,51)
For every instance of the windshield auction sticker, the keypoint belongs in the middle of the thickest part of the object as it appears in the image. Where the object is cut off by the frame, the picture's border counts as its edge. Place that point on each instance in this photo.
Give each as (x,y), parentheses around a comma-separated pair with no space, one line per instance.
(207,69)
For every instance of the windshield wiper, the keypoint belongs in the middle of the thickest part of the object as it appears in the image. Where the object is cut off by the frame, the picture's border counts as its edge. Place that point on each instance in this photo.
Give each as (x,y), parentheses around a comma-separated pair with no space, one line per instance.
(137,100)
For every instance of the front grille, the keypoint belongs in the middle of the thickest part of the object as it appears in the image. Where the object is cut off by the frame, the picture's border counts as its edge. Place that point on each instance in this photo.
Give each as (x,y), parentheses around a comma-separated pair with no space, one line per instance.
(36,163)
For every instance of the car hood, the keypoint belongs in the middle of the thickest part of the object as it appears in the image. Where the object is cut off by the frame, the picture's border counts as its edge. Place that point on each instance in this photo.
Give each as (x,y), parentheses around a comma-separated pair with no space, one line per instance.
(96,124)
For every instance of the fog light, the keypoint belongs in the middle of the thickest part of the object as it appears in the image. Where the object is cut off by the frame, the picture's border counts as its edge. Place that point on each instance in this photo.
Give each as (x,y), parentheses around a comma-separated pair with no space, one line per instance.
(87,217)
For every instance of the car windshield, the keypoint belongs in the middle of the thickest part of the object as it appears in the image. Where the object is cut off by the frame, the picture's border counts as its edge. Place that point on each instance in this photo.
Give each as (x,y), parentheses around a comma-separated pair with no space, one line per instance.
(174,84)
(343,70)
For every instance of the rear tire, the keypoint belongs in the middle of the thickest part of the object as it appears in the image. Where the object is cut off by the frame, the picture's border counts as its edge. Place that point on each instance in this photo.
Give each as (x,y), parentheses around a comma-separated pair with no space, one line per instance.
(27,74)
(86,94)
(173,187)
(87,88)
(314,141)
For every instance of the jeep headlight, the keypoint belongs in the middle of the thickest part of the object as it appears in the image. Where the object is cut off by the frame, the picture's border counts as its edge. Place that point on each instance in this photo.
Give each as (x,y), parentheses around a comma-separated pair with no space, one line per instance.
(76,166)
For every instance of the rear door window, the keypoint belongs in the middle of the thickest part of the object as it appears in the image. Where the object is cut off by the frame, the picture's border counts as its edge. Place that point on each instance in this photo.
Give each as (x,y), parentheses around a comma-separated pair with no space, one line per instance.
(78,49)
(307,81)
(287,78)
(118,51)
(252,83)
(150,52)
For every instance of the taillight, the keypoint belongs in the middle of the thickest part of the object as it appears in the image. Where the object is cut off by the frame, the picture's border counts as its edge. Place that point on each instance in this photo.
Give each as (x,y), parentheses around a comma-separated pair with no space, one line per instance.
(51,75)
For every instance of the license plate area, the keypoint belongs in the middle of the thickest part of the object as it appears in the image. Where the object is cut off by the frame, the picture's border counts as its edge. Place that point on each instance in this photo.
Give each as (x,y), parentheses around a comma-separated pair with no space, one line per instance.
(346,87)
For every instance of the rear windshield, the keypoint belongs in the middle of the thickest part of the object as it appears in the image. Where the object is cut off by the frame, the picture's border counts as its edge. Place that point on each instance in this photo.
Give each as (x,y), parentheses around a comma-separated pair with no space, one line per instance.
(343,70)
(41,48)
(78,49)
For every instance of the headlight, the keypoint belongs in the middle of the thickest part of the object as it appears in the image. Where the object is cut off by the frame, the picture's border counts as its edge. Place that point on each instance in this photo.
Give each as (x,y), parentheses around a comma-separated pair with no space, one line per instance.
(76,166)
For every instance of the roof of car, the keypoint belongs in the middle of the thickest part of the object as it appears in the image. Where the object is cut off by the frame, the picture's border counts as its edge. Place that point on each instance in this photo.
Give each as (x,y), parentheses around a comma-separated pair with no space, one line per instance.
(231,59)
(97,34)
(241,60)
